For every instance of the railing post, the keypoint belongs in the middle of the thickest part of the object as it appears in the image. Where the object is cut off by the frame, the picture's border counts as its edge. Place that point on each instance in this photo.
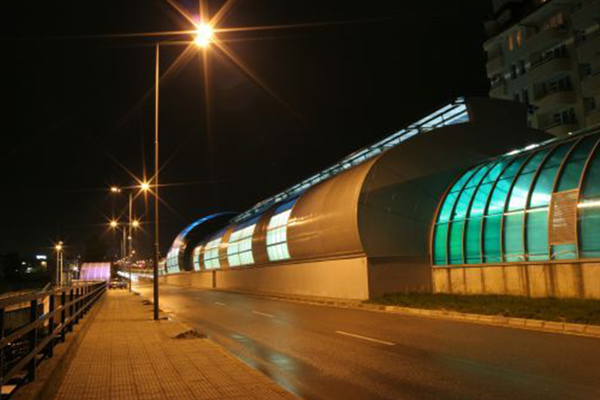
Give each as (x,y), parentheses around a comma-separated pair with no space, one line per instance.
(63,314)
(32,339)
(79,300)
(71,310)
(1,349)
(51,324)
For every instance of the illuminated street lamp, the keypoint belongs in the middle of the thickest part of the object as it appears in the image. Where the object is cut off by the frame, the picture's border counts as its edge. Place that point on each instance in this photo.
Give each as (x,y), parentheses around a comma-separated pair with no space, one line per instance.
(204,35)
(59,262)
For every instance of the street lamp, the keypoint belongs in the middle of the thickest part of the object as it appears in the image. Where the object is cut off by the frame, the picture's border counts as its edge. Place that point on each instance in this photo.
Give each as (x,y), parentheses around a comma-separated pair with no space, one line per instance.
(59,262)
(204,35)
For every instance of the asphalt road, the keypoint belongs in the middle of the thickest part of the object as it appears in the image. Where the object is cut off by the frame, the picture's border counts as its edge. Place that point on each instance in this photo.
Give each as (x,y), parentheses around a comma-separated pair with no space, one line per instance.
(321,352)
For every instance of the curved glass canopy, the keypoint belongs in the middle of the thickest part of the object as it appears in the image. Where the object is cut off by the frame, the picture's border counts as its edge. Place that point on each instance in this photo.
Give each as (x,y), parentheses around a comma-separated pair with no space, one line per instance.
(535,205)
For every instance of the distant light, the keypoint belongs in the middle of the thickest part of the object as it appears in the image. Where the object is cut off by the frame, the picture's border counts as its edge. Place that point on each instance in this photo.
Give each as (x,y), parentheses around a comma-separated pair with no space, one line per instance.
(41,257)
(115,189)
(114,224)
(532,146)
(58,247)
(204,34)
(135,223)
(145,186)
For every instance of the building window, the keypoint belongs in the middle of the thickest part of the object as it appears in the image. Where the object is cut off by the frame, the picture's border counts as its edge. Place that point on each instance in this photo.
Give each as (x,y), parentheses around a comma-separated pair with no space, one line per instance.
(525,96)
(239,251)
(513,71)
(277,244)
(564,117)
(521,68)
(511,43)
(211,254)
(517,97)
(519,39)
(585,70)
(589,104)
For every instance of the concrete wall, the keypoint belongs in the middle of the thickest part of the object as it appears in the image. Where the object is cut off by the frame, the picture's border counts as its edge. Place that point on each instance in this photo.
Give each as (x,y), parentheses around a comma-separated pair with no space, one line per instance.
(345,278)
(575,279)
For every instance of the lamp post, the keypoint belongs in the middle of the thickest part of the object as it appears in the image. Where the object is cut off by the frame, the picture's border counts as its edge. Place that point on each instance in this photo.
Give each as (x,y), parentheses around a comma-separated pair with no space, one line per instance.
(59,262)
(203,38)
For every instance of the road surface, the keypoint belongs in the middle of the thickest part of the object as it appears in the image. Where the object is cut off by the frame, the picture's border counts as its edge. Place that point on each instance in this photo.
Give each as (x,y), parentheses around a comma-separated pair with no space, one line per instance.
(321,352)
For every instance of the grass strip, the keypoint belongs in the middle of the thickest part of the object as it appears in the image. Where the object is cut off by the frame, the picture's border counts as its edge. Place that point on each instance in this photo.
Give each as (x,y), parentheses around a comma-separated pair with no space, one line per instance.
(581,311)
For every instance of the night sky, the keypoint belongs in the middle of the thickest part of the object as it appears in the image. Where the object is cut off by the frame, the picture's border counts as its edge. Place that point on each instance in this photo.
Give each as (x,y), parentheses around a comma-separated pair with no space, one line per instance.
(78,109)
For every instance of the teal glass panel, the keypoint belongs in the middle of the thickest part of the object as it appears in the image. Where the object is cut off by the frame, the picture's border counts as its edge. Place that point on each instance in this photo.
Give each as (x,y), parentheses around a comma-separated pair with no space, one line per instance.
(480,200)
(589,226)
(520,190)
(473,238)
(514,249)
(439,244)
(500,192)
(591,182)
(463,203)
(456,236)
(571,174)
(496,171)
(447,207)
(542,189)
(537,235)
(564,252)
(491,239)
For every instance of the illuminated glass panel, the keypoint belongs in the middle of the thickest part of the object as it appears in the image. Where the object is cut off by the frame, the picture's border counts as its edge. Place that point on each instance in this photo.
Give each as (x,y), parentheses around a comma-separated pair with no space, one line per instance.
(196,258)
(211,254)
(571,173)
(277,243)
(239,251)
(173,260)
(589,210)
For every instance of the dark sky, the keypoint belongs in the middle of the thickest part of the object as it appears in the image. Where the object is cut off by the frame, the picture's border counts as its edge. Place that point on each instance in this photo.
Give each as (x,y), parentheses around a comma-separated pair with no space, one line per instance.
(75,112)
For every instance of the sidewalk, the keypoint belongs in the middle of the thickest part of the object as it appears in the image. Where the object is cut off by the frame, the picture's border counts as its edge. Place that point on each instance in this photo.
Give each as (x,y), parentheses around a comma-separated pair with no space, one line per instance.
(126,355)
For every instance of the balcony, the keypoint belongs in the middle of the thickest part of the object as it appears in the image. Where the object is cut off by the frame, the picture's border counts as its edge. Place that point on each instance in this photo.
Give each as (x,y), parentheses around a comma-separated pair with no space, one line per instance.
(546,38)
(555,100)
(562,128)
(590,85)
(494,65)
(589,48)
(546,68)
(586,14)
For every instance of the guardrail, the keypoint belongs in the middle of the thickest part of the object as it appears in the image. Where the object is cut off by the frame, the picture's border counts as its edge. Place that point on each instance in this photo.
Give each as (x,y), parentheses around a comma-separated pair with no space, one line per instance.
(23,348)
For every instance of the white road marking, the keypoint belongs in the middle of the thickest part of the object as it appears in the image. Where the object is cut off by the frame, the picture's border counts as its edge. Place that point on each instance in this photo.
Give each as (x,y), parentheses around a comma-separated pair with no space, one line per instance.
(365,338)
(263,314)
(219,303)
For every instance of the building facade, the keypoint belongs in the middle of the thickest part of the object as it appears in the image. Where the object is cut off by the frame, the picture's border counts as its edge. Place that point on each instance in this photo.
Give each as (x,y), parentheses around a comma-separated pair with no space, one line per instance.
(546,55)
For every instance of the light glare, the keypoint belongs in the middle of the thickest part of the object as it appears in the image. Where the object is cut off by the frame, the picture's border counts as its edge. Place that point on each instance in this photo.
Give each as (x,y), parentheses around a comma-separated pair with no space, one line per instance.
(204,34)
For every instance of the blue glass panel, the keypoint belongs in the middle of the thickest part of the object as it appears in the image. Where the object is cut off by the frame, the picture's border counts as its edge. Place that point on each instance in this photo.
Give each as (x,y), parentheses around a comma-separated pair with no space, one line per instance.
(439,244)
(537,235)
(571,174)
(514,249)
(456,235)
(491,241)
(473,238)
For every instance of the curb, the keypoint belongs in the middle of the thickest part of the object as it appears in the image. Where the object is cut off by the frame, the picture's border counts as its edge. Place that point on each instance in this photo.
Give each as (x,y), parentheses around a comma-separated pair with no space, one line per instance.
(565,328)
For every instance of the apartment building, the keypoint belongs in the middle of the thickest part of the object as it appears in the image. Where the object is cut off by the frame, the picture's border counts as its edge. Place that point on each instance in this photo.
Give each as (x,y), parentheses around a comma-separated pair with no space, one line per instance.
(546,54)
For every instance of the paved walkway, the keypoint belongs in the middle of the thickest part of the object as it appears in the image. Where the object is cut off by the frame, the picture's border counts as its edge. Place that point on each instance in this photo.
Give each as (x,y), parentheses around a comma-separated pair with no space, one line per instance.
(126,355)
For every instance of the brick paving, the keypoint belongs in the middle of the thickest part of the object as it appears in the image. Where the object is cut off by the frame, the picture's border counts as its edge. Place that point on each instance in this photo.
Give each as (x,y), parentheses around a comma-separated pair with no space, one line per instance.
(126,355)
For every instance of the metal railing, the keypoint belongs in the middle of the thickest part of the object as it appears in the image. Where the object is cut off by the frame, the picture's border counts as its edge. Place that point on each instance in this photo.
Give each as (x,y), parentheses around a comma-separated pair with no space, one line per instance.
(52,313)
